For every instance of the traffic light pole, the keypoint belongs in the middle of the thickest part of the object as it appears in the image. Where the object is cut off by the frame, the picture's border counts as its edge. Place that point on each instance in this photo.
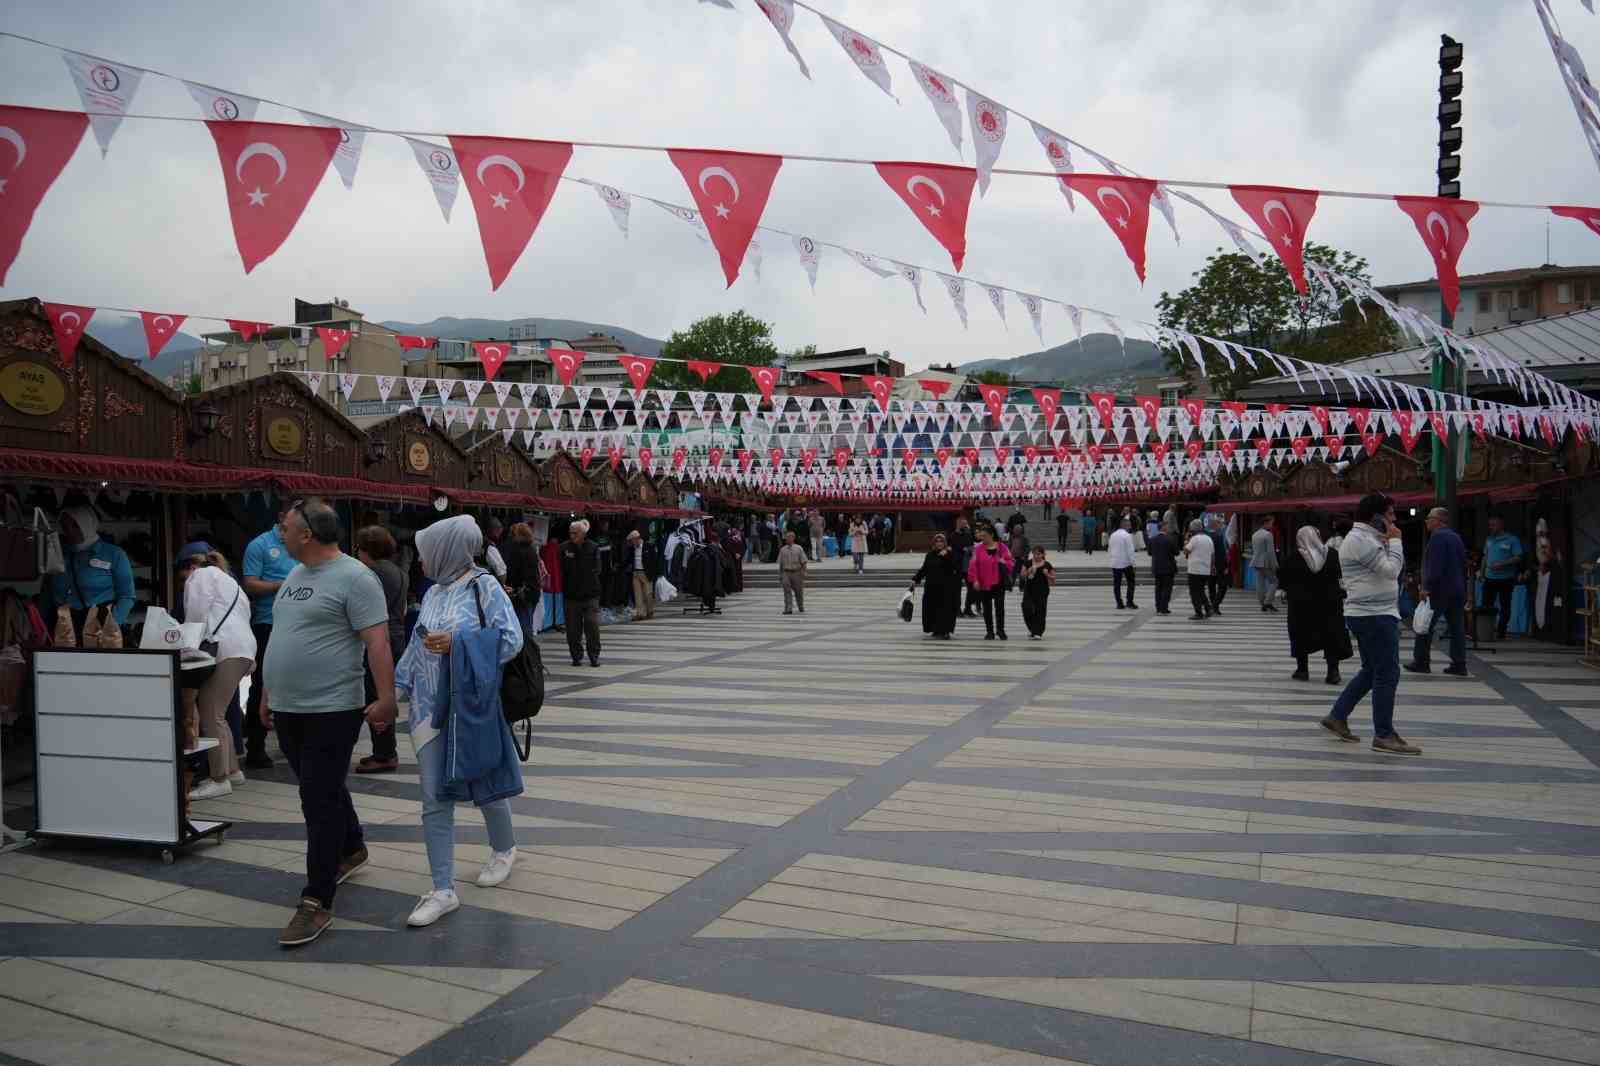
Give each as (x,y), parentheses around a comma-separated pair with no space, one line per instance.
(1448,375)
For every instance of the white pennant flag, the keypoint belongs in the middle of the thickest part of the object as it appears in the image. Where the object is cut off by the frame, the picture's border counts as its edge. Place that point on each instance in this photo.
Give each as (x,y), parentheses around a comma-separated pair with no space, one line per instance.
(997,297)
(348,154)
(1112,325)
(809,254)
(988,121)
(502,389)
(347,385)
(957,288)
(527,439)
(415,386)
(104,87)
(781,14)
(1059,153)
(505,435)
(914,276)
(753,256)
(1035,311)
(450,414)
(314,380)
(385,387)
(941,93)
(687,215)
(472,386)
(444,387)
(863,51)
(871,263)
(439,167)
(428,411)
(616,201)
(217,105)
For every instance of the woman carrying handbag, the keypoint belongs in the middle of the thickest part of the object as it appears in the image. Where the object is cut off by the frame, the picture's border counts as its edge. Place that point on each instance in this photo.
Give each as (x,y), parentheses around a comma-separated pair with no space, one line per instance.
(212,597)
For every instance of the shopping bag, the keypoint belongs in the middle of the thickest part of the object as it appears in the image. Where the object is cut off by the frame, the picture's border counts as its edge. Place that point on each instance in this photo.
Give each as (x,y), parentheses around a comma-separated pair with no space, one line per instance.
(1422,618)
(666,591)
(905,607)
(110,631)
(163,632)
(66,636)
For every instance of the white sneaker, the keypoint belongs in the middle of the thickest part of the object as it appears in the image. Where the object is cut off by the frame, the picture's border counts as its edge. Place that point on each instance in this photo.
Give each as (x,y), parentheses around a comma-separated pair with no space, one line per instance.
(497,869)
(209,789)
(432,907)
(236,778)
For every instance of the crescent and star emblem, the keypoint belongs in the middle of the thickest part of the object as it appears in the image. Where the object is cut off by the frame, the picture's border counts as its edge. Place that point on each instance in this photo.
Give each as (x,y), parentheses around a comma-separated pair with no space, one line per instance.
(1105,191)
(733,185)
(13,138)
(917,180)
(77,319)
(157,323)
(510,164)
(1444,224)
(1288,220)
(494,349)
(272,152)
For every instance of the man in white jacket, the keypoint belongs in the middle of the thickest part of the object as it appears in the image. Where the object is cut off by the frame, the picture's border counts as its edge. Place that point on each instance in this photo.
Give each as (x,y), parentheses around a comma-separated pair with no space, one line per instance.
(1371,558)
(1121,552)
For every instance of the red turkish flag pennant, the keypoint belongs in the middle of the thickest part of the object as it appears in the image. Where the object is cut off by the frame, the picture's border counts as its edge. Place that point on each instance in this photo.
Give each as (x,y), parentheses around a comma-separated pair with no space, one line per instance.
(1127,451)
(715,454)
(1263,447)
(1360,416)
(333,340)
(1321,415)
(1371,441)
(828,378)
(38,145)
(1104,403)
(841,457)
(511,182)
(1192,449)
(1149,405)
(1192,408)
(1589,216)
(1226,447)
(409,341)
(638,368)
(880,387)
(939,196)
(808,457)
(775,456)
(616,455)
(1049,401)
(702,368)
(269,171)
(766,378)
(970,456)
(1441,426)
(586,456)
(567,361)
(937,388)
(248,331)
(1300,445)
(1002,456)
(994,397)
(1063,453)
(1442,224)
(1283,215)
(1335,445)
(1095,453)
(159,329)
(875,452)
(492,354)
(1125,205)
(746,457)
(1476,419)
(942,454)
(1409,434)
(67,321)
(1031,453)
(909,458)
(731,190)
(1276,408)
(1158,449)
(680,455)
(1236,408)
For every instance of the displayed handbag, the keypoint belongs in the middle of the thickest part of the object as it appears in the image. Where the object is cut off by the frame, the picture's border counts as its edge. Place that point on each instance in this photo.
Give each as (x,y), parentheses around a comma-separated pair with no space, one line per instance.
(521,686)
(47,545)
(29,549)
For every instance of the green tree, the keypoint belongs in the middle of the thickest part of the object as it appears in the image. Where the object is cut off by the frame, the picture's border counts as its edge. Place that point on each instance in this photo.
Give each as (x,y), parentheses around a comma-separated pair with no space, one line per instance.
(192,386)
(737,339)
(1253,302)
(992,377)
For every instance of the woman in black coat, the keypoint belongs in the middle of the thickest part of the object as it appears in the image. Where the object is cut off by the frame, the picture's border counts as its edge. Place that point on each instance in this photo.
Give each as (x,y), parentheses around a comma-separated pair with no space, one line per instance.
(941,596)
(1309,578)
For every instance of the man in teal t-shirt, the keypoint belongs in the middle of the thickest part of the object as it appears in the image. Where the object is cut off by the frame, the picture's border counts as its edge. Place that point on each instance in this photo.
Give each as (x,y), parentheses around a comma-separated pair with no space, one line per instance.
(1090,524)
(1502,565)
(328,612)
(266,563)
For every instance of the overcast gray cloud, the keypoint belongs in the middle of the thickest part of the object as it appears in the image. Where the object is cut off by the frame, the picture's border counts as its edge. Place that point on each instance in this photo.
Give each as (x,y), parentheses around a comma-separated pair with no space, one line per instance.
(1337,96)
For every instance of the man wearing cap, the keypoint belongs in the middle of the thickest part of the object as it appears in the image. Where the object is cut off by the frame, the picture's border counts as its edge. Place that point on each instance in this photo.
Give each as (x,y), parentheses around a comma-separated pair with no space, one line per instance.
(266,563)
(644,563)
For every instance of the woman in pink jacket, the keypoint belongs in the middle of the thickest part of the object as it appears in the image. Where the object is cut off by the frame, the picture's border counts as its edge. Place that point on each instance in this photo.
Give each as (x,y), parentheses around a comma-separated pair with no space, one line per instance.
(989,572)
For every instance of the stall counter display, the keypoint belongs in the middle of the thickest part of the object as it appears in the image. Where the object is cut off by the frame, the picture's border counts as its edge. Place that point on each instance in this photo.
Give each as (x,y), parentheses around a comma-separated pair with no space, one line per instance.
(109,757)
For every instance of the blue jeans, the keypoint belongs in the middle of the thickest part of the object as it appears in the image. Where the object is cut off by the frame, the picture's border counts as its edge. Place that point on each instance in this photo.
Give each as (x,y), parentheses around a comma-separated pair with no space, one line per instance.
(439,818)
(1378,640)
(861,561)
(1455,626)
(1266,584)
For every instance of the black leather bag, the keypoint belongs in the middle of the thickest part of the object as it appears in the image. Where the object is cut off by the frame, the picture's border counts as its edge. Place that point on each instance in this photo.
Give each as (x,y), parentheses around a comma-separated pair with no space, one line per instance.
(521,685)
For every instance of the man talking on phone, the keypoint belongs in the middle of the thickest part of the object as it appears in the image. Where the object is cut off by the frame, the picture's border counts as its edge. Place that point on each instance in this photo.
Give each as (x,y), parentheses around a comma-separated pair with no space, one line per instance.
(1371,559)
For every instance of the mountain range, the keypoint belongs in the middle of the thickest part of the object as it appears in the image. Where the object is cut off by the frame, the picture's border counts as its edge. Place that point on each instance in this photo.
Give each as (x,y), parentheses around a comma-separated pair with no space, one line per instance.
(1099,361)
(124,334)
(481,329)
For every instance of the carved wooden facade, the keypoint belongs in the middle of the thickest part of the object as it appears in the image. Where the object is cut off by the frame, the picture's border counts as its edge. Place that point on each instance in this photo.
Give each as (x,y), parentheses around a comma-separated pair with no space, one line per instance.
(607,486)
(99,404)
(641,490)
(495,466)
(277,423)
(563,479)
(416,453)
(667,492)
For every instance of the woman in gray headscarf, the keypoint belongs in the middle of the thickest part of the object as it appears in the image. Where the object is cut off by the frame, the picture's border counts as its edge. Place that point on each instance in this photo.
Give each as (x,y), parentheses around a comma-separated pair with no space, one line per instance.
(446,550)
(1309,578)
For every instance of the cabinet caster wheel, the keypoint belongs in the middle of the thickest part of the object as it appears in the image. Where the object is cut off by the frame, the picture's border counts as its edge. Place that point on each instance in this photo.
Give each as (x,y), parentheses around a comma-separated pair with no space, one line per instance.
(167,856)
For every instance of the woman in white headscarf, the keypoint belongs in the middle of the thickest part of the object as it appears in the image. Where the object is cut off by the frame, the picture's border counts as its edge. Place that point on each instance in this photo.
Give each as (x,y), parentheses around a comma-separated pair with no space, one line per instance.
(97,574)
(1309,578)
(446,550)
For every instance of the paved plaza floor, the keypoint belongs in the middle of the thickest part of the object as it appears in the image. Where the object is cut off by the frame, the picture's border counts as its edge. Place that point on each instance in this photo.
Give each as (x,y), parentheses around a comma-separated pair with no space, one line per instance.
(754,840)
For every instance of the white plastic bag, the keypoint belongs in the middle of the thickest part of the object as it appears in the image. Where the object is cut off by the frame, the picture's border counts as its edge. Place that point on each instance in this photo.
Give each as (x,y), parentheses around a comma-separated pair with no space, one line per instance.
(1422,618)
(666,591)
(905,609)
(164,633)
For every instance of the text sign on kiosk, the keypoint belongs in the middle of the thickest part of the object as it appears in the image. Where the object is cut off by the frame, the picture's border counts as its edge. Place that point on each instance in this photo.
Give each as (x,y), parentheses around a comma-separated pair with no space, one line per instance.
(32,388)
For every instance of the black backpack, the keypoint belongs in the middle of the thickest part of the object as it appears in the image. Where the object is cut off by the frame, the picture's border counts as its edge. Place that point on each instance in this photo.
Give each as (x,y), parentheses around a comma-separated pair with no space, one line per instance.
(521,685)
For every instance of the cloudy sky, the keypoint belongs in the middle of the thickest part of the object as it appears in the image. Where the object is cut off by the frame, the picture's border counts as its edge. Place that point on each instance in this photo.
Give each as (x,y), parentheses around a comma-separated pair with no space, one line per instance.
(1334,96)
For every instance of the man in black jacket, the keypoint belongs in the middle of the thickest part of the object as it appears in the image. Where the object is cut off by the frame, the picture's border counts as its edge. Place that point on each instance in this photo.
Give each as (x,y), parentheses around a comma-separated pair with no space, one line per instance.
(580,582)
(1163,549)
(962,541)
